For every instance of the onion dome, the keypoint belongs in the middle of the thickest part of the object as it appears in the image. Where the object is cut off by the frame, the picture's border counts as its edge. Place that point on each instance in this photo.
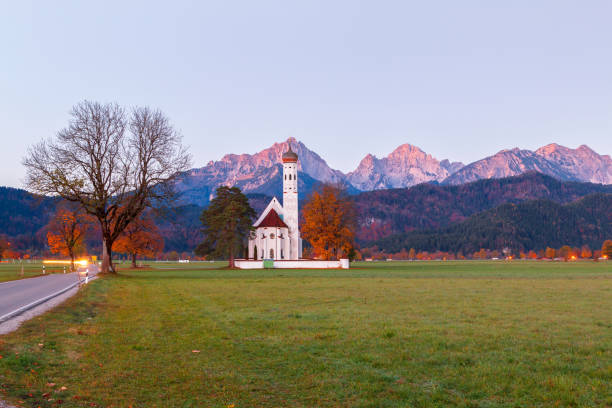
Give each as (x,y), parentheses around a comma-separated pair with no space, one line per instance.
(290,156)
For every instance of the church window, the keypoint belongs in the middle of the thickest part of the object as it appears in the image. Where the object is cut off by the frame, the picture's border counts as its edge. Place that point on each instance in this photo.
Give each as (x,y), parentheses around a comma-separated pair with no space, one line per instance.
(271,253)
(272,236)
(282,255)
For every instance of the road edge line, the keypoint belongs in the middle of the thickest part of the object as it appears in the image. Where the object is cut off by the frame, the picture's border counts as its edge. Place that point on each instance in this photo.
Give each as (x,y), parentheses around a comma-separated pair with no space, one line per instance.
(35,303)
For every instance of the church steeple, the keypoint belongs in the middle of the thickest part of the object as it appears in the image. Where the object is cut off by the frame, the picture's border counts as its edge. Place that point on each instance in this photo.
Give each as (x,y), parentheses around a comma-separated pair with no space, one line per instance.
(290,201)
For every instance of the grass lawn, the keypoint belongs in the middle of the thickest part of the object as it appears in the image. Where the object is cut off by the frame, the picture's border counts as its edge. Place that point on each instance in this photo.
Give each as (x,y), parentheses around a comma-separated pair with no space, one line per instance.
(12,270)
(388,334)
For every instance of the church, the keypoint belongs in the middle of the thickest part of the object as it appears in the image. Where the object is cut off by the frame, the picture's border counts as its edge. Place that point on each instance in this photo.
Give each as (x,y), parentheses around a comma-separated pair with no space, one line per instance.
(277,234)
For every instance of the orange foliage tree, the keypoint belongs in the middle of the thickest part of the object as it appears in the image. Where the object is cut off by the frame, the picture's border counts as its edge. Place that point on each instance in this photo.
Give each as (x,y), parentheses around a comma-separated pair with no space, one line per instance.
(586,252)
(329,222)
(66,231)
(140,238)
(606,249)
(4,245)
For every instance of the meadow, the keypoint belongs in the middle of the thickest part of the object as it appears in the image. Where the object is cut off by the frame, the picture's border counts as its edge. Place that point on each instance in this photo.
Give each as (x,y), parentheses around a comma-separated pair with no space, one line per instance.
(383,334)
(12,270)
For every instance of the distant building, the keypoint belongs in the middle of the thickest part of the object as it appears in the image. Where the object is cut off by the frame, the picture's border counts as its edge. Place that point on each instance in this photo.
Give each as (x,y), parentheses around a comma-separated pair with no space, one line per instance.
(277,234)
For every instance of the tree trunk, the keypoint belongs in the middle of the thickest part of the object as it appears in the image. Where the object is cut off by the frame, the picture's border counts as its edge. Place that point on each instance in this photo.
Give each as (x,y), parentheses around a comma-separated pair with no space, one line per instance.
(133,260)
(72,261)
(231,259)
(104,257)
(107,264)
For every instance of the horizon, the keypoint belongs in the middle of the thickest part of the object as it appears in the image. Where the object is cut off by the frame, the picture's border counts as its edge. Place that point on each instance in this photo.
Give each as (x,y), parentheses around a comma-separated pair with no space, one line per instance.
(458,81)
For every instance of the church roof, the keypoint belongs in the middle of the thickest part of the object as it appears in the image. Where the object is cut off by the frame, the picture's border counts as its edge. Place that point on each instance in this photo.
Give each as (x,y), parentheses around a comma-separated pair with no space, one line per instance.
(290,156)
(273,205)
(272,220)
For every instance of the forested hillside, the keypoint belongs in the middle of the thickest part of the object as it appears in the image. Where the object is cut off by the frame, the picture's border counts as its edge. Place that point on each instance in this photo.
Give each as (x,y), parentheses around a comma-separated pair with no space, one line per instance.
(430,206)
(531,225)
(22,215)
(399,214)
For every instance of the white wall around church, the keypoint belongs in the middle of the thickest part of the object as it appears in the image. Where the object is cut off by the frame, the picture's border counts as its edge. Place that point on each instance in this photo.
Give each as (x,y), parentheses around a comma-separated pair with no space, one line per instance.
(301,264)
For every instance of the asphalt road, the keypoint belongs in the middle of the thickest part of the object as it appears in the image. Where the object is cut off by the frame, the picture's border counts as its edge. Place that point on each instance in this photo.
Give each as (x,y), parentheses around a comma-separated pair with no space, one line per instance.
(19,293)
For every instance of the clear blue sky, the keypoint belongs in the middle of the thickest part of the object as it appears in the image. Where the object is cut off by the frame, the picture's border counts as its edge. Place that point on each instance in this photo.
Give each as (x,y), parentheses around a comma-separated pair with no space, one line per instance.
(460,79)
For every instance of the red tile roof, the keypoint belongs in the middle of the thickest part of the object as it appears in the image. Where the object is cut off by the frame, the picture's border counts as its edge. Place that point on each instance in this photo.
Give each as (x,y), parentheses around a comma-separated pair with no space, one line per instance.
(272,220)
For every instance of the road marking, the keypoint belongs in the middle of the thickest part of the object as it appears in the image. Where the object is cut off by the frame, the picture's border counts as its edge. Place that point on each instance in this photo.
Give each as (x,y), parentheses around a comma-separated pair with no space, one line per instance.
(35,303)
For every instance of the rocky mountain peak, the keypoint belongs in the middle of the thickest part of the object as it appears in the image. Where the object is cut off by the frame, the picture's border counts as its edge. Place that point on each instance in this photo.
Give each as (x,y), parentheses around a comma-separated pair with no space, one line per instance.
(405,166)
(563,163)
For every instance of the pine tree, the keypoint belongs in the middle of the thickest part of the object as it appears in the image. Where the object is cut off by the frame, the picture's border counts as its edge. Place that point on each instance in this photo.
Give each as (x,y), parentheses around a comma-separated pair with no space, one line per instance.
(227,223)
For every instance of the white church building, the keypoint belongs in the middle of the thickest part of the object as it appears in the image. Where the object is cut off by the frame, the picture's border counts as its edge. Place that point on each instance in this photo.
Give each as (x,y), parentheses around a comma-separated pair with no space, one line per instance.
(277,233)
(275,241)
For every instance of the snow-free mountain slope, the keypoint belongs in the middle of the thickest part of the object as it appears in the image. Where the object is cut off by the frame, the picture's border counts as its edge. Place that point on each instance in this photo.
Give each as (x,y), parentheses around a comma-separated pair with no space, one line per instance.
(406,166)
(253,172)
(563,163)
(583,163)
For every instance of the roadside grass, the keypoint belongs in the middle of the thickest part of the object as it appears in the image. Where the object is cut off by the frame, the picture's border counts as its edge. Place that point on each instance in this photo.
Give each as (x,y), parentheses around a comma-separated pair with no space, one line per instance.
(385,334)
(12,270)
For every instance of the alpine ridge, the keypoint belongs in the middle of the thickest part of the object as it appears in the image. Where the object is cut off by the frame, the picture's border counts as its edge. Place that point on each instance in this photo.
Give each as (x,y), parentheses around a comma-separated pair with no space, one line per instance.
(404,167)
(581,164)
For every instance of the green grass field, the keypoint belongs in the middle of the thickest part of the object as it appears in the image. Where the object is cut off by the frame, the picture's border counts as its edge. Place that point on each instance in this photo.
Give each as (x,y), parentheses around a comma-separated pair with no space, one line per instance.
(13,270)
(388,334)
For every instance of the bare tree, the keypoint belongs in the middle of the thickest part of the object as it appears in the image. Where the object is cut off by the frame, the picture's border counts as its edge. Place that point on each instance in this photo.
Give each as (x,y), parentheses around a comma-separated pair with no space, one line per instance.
(113,163)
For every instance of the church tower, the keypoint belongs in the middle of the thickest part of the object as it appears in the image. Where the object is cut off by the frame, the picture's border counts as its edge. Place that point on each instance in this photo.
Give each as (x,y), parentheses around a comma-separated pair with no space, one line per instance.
(290,202)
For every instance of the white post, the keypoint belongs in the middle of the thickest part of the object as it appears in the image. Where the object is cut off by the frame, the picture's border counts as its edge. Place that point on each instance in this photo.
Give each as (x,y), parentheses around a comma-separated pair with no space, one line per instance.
(43,269)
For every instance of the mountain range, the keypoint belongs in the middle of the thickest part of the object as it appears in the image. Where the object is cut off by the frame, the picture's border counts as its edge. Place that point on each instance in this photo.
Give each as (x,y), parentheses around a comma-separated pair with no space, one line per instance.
(406,166)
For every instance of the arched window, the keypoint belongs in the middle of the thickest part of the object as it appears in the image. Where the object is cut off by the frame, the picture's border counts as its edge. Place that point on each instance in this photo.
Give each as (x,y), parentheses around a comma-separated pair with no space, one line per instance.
(271,254)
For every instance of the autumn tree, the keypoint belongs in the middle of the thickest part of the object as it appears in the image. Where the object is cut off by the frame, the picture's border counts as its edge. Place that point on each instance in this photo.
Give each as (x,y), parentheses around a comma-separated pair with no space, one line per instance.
(411,254)
(565,252)
(3,246)
(67,230)
(586,252)
(108,159)
(550,252)
(227,223)
(606,249)
(140,238)
(329,222)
